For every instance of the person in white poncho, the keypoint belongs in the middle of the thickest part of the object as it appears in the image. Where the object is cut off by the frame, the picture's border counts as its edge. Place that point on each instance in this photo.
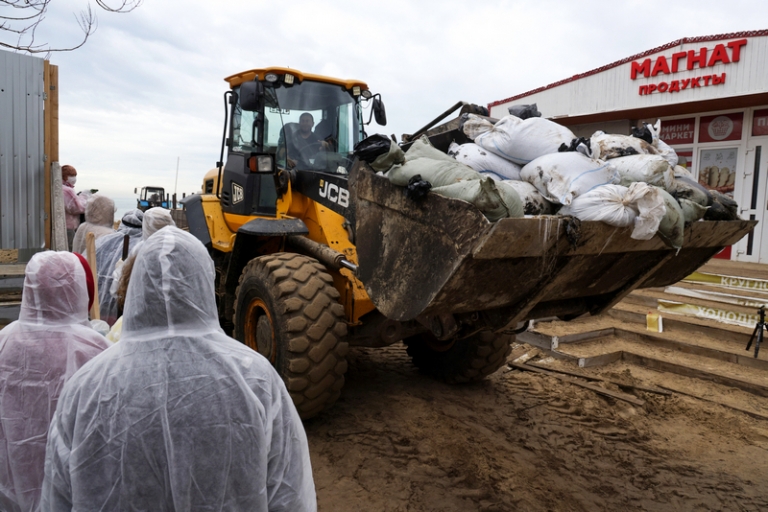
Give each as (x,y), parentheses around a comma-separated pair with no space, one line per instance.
(99,220)
(38,353)
(177,416)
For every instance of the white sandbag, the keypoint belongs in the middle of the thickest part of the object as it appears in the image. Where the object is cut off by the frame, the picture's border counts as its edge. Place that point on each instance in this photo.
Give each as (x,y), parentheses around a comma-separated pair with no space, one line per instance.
(692,211)
(485,162)
(494,202)
(533,202)
(651,169)
(606,146)
(422,148)
(681,171)
(605,203)
(438,172)
(522,141)
(474,126)
(649,203)
(662,148)
(672,226)
(560,177)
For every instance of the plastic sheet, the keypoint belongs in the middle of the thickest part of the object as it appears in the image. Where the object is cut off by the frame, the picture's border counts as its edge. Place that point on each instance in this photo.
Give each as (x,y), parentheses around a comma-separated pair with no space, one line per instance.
(177,415)
(51,340)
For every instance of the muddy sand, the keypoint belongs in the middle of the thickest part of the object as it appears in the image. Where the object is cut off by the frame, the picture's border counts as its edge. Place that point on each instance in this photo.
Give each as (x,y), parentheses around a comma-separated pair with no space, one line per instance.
(399,441)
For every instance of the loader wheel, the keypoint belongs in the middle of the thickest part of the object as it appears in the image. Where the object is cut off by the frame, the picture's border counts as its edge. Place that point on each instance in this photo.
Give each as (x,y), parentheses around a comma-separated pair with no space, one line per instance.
(287,309)
(467,360)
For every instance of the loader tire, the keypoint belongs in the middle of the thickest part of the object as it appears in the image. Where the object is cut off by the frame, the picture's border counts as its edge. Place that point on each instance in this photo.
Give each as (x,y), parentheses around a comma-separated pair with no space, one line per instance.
(287,309)
(467,360)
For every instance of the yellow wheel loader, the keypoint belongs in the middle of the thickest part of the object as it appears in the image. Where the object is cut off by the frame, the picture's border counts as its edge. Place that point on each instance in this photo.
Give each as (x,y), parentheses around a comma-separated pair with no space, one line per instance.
(314,252)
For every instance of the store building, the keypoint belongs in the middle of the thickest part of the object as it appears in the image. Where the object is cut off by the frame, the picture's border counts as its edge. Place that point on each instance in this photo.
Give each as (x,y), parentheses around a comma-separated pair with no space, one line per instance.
(711,94)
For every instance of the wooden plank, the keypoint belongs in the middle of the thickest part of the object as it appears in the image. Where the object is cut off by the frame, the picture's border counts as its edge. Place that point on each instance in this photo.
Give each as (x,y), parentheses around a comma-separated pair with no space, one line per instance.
(47,120)
(686,348)
(582,337)
(686,371)
(602,379)
(675,324)
(735,408)
(536,339)
(601,360)
(90,249)
(597,389)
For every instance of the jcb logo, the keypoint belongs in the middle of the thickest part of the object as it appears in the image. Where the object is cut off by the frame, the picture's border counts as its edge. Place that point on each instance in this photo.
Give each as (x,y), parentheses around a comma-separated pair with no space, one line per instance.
(237,193)
(334,193)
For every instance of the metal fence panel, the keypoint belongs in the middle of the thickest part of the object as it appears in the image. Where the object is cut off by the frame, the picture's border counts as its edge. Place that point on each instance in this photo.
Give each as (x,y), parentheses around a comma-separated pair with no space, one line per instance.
(22,166)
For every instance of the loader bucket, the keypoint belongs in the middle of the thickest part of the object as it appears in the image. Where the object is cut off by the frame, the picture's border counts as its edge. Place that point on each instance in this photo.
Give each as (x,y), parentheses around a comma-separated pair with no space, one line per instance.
(439,255)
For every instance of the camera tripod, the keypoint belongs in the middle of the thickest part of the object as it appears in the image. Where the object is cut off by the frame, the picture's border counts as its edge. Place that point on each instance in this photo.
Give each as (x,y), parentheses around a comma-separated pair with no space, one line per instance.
(758,332)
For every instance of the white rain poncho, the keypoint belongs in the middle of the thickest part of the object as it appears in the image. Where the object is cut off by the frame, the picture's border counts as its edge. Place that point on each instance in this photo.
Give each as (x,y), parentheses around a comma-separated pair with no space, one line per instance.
(38,353)
(109,250)
(177,416)
(99,220)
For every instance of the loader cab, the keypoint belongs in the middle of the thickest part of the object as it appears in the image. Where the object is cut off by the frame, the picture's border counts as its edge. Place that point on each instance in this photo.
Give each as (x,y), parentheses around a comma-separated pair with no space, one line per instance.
(282,119)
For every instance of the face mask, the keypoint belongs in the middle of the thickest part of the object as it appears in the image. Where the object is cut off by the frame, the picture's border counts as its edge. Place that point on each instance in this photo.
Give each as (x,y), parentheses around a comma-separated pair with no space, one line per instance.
(72,180)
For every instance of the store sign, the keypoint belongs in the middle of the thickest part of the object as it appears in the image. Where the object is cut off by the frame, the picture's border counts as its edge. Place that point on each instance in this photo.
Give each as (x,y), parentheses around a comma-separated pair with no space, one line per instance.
(679,131)
(703,58)
(760,123)
(722,127)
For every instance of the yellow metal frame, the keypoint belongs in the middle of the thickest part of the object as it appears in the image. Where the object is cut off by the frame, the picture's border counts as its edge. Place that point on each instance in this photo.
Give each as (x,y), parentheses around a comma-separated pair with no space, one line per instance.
(247,76)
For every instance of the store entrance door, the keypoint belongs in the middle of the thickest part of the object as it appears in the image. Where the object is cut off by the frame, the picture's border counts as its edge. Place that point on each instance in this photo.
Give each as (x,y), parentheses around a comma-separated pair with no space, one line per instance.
(753,203)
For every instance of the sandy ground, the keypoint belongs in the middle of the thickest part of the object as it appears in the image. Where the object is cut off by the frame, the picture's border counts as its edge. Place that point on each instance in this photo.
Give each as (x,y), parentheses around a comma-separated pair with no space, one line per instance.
(399,441)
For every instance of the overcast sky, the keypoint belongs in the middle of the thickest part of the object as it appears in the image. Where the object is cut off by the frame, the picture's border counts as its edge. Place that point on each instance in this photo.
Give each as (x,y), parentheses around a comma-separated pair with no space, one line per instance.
(147,86)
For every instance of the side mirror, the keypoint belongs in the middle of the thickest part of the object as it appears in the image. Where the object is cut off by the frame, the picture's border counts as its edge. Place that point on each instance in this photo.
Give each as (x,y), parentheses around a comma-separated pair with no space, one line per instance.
(250,95)
(379,112)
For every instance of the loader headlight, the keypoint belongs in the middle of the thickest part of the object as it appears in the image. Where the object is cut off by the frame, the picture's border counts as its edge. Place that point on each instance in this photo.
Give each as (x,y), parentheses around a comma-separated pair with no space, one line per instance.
(288,79)
(270,77)
(261,164)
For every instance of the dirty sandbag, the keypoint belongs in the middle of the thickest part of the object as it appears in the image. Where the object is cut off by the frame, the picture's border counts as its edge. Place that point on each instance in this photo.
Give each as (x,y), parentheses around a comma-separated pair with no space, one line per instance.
(649,203)
(671,228)
(651,169)
(606,146)
(372,147)
(438,172)
(643,133)
(605,203)
(417,188)
(494,202)
(522,141)
(691,211)
(524,111)
(485,162)
(662,148)
(682,171)
(723,208)
(560,177)
(533,202)
(686,187)
(385,161)
(422,148)
(473,125)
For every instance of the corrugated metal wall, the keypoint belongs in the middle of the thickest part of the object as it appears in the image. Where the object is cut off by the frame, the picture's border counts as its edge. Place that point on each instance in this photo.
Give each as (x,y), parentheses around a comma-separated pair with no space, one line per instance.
(22,172)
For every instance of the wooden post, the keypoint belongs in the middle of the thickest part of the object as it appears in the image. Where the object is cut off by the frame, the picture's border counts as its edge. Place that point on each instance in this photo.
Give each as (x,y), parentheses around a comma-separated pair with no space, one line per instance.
(90,249)
(47,151)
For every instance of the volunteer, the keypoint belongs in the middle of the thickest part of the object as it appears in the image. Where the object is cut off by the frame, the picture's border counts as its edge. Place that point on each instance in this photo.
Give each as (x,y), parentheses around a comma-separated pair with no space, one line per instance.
(99,220)
(74,204)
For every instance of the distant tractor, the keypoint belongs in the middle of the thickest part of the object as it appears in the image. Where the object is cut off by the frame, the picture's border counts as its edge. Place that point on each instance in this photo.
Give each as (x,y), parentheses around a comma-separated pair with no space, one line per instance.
(151,197)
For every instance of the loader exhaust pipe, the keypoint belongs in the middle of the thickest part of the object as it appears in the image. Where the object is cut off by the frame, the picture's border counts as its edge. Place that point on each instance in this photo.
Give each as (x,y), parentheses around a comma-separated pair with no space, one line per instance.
(321,253)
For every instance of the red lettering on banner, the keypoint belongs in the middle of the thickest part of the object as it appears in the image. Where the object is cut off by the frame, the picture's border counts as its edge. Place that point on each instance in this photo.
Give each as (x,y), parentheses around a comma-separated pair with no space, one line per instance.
(674,86)
(735,47)
(695,82)
(663,87)
(643,90)
(644,68)
(660,66)
(651,88)
(686,83)
(719,54)
(717,80)
(706,79)
(676,59)
(701,59)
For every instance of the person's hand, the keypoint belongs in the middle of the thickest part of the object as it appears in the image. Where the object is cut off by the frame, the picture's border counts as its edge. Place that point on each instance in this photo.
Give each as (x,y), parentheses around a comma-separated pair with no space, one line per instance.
(291,163)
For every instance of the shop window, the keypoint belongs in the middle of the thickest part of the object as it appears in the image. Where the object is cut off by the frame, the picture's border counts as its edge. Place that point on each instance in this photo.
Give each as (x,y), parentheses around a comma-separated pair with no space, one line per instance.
(717,169)
(721,128)
(760,123)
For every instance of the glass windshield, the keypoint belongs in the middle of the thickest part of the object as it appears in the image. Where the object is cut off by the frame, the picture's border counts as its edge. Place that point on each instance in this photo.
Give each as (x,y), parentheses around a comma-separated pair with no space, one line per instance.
(311,125)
